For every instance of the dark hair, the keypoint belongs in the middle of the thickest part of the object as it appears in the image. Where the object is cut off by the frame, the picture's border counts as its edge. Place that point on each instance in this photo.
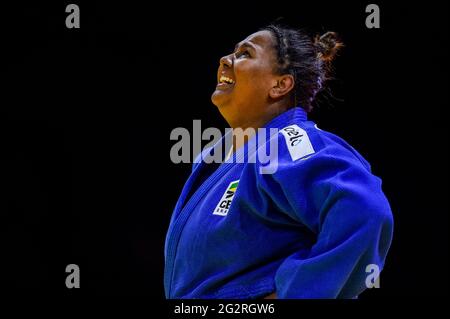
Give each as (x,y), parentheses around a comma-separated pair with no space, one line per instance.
(306,58)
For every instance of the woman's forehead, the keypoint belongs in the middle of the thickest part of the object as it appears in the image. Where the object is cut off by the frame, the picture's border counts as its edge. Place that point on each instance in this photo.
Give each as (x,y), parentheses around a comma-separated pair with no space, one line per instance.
(262,38)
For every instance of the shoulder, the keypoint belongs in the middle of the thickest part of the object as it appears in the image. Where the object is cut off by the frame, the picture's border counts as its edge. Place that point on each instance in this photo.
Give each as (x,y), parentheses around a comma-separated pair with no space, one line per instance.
(303,142)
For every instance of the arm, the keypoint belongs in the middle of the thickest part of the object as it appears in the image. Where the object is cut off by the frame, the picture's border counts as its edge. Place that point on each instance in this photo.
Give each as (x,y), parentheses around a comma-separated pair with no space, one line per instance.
(339,200)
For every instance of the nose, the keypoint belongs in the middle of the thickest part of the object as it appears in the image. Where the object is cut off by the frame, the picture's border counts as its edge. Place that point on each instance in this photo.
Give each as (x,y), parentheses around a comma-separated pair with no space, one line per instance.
(226,60)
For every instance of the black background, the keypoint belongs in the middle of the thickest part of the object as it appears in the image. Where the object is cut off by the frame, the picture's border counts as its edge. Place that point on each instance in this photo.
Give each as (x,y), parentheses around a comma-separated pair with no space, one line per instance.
(86,114)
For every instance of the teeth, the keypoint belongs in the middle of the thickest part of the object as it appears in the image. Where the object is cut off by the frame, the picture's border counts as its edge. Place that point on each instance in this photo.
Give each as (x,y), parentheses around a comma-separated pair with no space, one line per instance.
(226,80)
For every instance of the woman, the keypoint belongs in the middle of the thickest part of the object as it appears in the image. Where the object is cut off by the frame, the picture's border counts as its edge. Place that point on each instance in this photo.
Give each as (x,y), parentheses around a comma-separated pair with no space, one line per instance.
(311,228)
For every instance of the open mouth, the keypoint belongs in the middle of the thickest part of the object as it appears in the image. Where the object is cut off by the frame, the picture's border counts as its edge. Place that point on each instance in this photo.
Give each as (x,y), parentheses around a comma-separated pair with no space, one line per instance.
(224,80)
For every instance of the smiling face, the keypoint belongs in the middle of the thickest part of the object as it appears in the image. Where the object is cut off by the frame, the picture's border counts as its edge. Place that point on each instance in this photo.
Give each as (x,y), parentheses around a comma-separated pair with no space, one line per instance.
(246,80)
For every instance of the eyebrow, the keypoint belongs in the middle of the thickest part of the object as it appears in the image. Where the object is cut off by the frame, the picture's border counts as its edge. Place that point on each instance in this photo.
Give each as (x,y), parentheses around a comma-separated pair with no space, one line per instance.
(245,44)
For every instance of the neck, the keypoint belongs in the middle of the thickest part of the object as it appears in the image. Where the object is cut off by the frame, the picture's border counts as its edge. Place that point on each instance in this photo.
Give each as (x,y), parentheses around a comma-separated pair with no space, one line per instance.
(265,114)
(245,128)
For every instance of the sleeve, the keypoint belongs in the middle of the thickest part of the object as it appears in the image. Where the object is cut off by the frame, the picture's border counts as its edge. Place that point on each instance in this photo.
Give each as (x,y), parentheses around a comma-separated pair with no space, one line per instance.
(334,195)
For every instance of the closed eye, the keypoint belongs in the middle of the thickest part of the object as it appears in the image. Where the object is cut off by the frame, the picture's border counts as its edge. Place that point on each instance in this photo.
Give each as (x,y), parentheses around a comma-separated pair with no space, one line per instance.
(243,53)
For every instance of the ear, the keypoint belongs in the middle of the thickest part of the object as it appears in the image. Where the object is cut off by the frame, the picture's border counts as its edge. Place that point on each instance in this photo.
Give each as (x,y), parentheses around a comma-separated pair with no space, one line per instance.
(282,85)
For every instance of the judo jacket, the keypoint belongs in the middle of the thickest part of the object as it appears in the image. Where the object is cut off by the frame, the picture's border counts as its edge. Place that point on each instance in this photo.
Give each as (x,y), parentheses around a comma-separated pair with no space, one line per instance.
(316,227)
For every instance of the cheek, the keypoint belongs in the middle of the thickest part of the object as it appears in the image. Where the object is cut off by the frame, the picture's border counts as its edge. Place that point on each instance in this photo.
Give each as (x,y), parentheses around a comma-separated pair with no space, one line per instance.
(252,76)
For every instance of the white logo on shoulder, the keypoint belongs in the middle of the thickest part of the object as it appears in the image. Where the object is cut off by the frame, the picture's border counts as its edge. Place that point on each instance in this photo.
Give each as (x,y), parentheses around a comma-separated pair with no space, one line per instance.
(297,141)
(224,204)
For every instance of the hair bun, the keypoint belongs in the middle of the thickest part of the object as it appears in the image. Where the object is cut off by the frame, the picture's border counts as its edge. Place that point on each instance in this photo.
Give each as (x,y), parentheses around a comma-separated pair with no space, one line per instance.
(328,45)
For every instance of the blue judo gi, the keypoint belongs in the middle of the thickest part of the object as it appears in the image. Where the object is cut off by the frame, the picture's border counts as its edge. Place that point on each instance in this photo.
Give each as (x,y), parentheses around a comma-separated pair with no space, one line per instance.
(315,228)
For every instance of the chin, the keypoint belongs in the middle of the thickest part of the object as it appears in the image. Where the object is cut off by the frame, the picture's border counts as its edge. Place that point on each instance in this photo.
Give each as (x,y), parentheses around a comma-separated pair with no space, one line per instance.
(219,99)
